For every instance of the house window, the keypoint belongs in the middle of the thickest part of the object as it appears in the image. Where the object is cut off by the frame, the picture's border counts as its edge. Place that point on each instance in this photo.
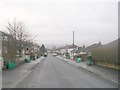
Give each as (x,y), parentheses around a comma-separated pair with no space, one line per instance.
(5,38)
(5,50)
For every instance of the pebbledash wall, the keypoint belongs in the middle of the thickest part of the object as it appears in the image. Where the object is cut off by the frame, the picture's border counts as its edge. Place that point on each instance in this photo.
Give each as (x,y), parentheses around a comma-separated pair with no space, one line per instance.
(1,60)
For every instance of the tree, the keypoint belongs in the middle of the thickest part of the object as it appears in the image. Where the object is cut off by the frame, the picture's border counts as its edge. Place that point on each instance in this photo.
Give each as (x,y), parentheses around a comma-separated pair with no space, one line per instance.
(42,49)
(18,31)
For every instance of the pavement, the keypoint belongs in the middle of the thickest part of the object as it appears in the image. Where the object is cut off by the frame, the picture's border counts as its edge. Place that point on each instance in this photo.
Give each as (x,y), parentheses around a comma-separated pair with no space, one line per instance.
(11,76)
(106,73)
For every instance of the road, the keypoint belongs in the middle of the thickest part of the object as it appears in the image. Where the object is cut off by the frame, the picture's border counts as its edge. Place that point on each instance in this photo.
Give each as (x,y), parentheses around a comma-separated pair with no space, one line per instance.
(54,73)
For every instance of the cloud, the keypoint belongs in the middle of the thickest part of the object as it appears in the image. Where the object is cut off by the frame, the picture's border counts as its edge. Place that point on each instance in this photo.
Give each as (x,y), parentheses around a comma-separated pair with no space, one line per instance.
(54,20)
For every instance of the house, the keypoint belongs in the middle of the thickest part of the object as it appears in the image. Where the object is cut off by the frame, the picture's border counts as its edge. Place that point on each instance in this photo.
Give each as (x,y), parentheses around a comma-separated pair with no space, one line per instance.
(0,43)
(7,47)
(96,45)
(1,58)
(71,50)
(81,52)
(12,50)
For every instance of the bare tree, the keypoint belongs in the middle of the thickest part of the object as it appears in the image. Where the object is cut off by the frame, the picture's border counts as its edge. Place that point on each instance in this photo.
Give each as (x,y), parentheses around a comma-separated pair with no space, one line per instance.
(17,30)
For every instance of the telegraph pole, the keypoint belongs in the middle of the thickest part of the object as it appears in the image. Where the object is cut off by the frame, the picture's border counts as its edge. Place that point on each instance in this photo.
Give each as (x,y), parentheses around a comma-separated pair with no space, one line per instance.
(73,37)
(73,44)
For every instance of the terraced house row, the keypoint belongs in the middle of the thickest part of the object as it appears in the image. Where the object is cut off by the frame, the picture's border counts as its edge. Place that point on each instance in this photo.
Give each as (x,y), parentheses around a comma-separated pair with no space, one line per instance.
(14,51)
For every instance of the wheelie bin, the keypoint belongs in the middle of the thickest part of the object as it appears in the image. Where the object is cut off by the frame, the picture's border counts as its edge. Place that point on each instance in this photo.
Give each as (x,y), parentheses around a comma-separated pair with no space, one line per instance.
(78,60)
(67,56)
(27,58)
(88,60)
(10,65)
(27,55)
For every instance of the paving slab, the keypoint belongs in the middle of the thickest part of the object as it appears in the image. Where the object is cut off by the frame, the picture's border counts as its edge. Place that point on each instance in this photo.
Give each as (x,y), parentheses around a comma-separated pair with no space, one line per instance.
(107,73)
(11,76)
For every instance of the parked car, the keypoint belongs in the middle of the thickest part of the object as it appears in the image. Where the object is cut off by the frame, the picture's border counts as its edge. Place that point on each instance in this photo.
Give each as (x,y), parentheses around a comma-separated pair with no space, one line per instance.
(45,55)
(54,54)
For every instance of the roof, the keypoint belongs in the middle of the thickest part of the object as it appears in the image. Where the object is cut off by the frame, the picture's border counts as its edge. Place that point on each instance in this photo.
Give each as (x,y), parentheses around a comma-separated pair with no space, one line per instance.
(81,49)
(94,46)
(71,46)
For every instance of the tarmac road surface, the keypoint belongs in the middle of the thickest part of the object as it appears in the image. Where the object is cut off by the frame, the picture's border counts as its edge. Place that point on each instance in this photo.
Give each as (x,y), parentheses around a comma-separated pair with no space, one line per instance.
(54,73)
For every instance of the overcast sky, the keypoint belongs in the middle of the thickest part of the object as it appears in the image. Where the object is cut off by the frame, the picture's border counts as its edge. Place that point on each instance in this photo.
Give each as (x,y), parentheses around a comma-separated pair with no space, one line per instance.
(54,20)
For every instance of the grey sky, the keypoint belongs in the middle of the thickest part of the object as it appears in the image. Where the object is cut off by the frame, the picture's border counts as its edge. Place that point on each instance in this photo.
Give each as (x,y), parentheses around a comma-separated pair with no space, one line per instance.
(54,20)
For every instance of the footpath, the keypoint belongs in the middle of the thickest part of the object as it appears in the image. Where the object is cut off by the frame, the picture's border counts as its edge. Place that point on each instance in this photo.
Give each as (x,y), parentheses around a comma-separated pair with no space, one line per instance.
(12,76)
(107,73)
